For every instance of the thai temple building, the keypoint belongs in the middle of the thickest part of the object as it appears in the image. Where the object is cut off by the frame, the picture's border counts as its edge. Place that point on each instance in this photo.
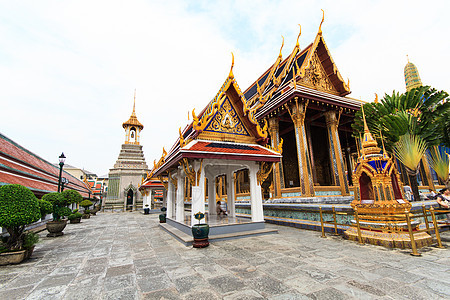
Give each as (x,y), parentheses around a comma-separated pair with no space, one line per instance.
(302,101)
(126,175)
(19,165)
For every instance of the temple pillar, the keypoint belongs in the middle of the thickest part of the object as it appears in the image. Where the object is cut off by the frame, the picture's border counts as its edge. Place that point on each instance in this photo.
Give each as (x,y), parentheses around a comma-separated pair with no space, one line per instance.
(170,198)
(255,194)
(231,195)
(298,111)
(336,159)
(198,192)
(180,197)
(212,196)
(278,177)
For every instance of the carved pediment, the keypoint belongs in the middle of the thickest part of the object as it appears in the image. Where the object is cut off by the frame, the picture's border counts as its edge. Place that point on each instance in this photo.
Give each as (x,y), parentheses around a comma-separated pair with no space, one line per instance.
(315,77)
(227,120)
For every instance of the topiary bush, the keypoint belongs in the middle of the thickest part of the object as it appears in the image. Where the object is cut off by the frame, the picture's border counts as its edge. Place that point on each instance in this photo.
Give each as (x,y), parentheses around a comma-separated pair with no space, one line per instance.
(72,196)
(75,215)
(85,203)
(59,204)
(18,208)
(45,207)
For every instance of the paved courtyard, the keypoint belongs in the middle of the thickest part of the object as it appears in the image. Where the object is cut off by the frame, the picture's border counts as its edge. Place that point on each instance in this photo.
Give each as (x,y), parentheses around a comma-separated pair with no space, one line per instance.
(127,256)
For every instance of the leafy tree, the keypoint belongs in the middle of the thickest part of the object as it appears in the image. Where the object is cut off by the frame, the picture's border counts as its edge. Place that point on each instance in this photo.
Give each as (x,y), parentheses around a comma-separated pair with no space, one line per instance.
(72,196)
(439,161)
(45,207)
(59,204)
(18,208)
(86,203)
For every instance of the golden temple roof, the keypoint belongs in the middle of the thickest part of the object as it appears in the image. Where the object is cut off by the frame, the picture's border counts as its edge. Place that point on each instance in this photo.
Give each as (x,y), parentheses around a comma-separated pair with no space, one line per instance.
(133,121)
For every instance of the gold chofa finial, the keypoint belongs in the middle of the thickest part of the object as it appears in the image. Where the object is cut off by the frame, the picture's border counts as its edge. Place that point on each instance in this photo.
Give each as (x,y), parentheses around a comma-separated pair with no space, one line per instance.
(282,45)
(299,34)
(232,65)
(323,18)
(376,98)
(407,57)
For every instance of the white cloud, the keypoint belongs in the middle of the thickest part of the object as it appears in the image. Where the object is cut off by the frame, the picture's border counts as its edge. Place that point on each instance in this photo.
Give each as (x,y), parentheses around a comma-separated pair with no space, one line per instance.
(68,69)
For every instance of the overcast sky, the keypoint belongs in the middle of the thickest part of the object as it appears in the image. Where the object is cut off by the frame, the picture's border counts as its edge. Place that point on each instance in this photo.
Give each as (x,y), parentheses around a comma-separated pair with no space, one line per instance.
(68,69)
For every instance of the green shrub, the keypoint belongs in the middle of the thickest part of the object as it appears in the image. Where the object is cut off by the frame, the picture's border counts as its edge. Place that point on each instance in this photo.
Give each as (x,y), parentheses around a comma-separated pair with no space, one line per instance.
(87,211)
(75,216)
(31,239)
(72,196)
(74,211)
(45,207)
(85,203)
(18,208)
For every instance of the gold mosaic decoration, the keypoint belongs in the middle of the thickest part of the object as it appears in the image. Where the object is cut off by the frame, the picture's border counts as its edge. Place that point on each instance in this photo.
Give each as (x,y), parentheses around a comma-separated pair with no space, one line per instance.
(316,77)
(264,170)
(226,120)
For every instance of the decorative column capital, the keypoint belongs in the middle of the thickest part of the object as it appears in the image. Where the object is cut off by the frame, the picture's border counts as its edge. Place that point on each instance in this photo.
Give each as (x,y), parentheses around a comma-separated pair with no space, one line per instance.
(330,117)
(297,111)
(273,124)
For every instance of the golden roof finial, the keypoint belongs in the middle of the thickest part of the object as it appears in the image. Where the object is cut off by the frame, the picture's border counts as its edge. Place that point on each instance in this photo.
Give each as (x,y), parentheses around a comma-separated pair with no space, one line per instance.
(407,57)
(376,98)
(282,44)
(232,65)
(323,18)
(299,34)
(368,143)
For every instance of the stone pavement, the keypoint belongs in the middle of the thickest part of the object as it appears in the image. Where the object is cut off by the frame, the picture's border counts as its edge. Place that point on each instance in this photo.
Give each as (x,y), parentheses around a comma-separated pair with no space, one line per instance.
(127,256)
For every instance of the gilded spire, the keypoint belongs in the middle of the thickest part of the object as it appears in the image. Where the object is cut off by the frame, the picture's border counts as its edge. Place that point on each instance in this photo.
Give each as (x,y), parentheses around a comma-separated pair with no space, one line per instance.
(299,34)
(133,121)
(369,145)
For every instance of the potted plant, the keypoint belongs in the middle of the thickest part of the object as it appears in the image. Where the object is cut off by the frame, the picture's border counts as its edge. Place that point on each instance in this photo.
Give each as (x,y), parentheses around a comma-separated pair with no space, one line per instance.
(45,208)
(146,209)
(86,204)
(60,210)
(75,217)
(200,232)
(18,208)
(162,217)
(30,240)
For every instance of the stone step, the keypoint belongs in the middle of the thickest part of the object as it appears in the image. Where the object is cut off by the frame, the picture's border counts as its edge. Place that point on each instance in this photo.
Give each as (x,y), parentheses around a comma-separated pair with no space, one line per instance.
(187,239)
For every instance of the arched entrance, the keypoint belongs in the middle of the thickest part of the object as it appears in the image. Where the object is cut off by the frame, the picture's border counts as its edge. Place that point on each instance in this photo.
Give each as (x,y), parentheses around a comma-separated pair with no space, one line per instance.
(130,196)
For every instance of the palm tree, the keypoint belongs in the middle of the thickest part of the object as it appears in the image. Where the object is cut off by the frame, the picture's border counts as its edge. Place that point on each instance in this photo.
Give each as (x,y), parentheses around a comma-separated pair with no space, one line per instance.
(439,161)
(410,150)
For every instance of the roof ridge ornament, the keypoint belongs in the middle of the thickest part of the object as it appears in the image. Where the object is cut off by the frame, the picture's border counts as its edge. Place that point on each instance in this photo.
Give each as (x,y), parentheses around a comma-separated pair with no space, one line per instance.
(231,75)
(323,18)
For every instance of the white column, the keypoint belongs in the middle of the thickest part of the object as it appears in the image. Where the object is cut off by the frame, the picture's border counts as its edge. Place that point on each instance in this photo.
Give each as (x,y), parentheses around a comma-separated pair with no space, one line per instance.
(212,196)
(180,197)
(170,198)
(255,195)
(230,194)
(198,194)
(164,202)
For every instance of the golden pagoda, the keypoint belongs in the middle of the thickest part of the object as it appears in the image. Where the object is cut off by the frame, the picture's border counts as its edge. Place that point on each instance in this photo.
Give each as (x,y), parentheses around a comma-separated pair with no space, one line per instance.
(412,78)
(379,199)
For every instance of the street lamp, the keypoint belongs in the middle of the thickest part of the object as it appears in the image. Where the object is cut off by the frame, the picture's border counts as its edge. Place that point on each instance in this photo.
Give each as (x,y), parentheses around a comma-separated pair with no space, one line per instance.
(62,159)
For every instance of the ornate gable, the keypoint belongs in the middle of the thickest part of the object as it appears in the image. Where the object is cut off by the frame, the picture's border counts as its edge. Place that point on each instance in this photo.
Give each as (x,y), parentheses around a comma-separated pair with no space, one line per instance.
(315,77)
(226,120)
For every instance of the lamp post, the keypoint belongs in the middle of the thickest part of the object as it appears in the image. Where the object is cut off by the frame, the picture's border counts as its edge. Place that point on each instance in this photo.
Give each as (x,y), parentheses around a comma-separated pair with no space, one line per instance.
(62,159)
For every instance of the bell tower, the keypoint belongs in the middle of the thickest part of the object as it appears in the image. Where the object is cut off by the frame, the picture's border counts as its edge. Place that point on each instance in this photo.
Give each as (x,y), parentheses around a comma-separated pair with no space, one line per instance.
(129,169)
(132,127)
